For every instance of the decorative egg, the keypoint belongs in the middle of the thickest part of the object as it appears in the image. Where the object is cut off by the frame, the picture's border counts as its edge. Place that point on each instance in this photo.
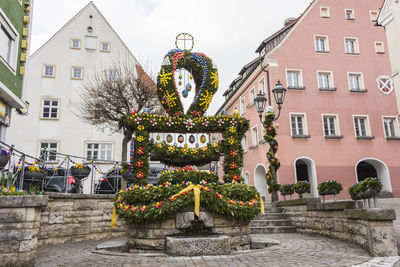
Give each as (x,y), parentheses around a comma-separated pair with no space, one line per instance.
(191,77)
(169,138)
(223,112)
(158,137)
(214,138)
(181,139)
(185,93)
(188,87)
(203,139)
(180,83)
(197,145)
(192,139)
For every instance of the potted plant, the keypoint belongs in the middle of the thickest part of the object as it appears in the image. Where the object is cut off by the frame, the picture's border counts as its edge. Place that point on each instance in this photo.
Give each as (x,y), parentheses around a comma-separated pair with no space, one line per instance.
(371,187)
(302,187)
(286,189)
(330,187)
(126,172)
(355,192)
(80,171)
(4,157)
(33,173)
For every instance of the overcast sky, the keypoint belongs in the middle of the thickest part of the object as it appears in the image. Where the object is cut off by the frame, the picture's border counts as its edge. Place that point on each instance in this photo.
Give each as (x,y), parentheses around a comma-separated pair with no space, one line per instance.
(228,31)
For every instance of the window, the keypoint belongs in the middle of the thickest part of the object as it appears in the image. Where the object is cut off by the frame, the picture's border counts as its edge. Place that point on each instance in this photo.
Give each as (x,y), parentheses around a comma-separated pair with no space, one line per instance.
(242,106)
(349,13)
(245,146)
(379,48)
(298,125)
(49,71)
(8,42)
(48,151)
(254,137)
(373,15)
(351,46)
(390,126)
(325,81)
(111,75)
(361,127)
(324,12)
(99,151)
(294,79)
(105,47)
(50,109)
(331,128)
(252,96)
(75,44)
(356,83)
(261,86)
(77,73)
(321,44)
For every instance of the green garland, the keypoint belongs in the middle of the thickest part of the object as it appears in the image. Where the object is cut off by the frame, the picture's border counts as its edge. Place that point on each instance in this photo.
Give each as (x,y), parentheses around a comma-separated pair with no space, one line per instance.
(269,136)
(182,176)
(155,203)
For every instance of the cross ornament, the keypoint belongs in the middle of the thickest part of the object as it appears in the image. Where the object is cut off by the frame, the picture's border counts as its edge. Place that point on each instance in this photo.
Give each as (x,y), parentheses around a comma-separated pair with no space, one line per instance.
(187,40)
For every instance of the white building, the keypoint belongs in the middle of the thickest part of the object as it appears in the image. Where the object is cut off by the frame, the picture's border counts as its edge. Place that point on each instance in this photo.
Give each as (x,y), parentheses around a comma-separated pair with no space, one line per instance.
(389,17)
(55,77)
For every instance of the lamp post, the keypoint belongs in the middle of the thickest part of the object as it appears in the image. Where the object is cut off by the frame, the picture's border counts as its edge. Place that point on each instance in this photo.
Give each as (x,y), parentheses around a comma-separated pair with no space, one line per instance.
(279,92)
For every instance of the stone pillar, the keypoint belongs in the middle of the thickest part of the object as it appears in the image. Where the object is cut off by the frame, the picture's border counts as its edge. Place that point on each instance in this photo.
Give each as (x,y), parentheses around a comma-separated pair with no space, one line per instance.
(19,227)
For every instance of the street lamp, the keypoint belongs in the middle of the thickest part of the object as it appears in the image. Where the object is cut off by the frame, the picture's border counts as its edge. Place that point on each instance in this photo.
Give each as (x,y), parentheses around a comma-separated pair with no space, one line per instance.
(260,104)
(279,94)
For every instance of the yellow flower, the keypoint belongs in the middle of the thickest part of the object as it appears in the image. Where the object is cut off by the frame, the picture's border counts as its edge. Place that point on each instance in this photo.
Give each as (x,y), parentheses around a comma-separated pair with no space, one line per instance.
(232,129)
(164,77)
(215,79)
(140,138)
(140,127)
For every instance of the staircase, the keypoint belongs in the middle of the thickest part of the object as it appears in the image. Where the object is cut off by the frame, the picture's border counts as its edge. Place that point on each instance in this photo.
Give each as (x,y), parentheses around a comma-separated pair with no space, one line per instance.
(272,222)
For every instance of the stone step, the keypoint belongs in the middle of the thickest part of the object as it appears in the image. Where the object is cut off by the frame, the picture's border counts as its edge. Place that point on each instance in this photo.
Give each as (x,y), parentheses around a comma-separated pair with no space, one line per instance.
(272,210)
(272,229)
(281,222)
(271,216)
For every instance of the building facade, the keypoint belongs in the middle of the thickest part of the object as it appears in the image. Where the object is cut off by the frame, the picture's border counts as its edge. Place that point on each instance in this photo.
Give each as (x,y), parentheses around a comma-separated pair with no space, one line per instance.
(339,119)
(15,28)
(389,19)
(58,70)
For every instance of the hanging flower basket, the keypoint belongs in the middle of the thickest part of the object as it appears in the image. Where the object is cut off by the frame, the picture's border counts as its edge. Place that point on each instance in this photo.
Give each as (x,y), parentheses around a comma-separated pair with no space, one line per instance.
(3,160)
(80,173)
(33,175)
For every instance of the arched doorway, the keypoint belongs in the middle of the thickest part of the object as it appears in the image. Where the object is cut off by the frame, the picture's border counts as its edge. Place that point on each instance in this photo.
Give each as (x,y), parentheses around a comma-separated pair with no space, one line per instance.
(374,168)
(304,169)
(259,181)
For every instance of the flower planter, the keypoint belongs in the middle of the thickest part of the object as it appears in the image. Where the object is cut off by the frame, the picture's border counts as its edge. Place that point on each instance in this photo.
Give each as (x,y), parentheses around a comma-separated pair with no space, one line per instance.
(372,192)
(128,176)
(80,173)
(33,176)
(358,196)
(3,160)
(333,191)
(285,193)
(302,190)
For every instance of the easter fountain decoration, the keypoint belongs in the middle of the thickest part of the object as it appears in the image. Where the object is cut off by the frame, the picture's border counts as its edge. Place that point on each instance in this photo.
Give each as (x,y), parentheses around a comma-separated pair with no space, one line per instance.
(162,217)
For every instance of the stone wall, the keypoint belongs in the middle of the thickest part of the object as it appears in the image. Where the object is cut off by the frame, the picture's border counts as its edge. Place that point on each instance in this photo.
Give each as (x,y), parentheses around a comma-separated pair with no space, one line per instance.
(19,228)
(77,217)
(369,228)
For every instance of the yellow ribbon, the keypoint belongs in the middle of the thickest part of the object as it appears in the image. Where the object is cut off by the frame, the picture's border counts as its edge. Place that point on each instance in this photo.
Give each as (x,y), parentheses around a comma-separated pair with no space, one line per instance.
(262,205)
(114,217)
(196,191)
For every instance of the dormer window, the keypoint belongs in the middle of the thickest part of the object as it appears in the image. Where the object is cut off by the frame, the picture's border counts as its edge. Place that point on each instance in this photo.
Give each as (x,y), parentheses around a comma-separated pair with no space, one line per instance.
(324,12)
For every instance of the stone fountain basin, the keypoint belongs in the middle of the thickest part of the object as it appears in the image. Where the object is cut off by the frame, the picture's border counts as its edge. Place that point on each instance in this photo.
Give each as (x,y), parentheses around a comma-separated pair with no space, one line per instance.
(198,246)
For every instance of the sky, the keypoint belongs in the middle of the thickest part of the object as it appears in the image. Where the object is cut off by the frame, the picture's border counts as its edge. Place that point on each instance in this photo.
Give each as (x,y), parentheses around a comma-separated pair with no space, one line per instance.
(228,31)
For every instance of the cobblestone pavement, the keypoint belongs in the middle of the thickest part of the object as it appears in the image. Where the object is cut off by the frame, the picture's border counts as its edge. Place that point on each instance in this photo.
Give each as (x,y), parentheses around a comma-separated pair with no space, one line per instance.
(295,250)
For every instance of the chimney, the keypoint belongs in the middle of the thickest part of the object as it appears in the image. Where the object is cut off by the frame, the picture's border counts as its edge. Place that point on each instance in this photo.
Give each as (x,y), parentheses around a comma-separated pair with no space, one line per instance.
(289,21)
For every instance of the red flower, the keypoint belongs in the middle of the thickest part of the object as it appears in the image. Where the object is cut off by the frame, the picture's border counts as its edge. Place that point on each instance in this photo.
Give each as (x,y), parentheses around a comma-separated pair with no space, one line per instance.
(140,150)
(139,164)
(233,153)
(233,165)
(139,175)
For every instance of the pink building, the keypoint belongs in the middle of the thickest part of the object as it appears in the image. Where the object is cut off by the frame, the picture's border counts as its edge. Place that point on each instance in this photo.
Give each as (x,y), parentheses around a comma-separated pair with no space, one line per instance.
(339,119)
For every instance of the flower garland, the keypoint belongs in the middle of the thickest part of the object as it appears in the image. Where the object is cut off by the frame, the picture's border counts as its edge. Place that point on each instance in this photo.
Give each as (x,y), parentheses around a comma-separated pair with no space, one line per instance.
(274,163)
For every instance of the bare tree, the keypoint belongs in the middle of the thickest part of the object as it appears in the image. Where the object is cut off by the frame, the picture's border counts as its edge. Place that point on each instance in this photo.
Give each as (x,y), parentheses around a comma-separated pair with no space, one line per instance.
(113,93)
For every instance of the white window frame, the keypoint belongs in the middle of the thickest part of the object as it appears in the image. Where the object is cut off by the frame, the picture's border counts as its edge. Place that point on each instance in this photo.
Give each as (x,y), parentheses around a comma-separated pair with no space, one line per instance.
(245,144)
(44,71)
(47,159)
(108,47)
(305,128)
(13,33)
(336,124)
(330,80)
(355,43)
(376,47)
(261,81)
(353,17)
(108,75)
(242,106)
(251,94)
(299,78)
(321,8)
(361,83)
(50,108)
(326,43)
(72,72)
(367,126)
(99,143)
(71,44)
(254,143)
(373,17)
(395,126)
